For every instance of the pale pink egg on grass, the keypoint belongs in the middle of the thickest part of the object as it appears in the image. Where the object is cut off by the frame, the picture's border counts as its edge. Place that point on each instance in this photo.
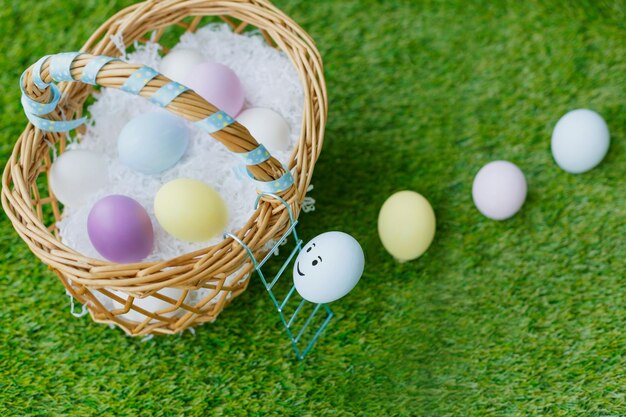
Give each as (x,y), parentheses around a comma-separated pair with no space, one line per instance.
(499,190)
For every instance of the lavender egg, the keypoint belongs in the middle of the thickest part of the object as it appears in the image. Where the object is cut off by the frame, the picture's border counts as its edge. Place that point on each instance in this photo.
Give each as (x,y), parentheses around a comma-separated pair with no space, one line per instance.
(120,229)
(217,84)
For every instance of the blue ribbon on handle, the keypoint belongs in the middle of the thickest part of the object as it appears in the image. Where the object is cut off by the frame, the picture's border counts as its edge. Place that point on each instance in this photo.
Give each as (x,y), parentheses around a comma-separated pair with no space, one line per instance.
(217,121)
(91,70)
(136,82)
(60,70)
(167,93)
(256,156)
(61,66)
(275,186)
(37,73)
(34,109)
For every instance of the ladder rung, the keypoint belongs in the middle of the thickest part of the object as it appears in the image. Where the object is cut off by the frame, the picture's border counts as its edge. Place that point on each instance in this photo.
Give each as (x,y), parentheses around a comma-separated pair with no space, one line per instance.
(284,303)
(295,313)
(317,307)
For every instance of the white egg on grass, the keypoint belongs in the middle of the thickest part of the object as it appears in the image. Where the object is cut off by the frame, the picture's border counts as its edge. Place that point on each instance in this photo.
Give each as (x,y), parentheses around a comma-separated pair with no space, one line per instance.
(267,127)
(76,174)
(499,190)
(150,304)
(580,141)
(177,64)
(328,267)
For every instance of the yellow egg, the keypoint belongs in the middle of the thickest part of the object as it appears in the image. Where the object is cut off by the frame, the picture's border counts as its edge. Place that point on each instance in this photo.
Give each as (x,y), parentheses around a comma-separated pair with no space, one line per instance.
(190,210)
(406,225)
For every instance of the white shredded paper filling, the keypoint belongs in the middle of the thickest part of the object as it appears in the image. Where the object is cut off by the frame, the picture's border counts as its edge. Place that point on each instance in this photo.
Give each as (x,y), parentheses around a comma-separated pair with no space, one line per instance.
(269,80)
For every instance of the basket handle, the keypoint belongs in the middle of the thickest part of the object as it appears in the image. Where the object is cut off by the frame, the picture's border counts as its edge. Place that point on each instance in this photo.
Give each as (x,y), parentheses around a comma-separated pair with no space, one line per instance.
(40,96)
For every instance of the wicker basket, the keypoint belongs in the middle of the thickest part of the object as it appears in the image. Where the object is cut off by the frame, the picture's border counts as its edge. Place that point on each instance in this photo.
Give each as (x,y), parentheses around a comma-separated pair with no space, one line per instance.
(34,210)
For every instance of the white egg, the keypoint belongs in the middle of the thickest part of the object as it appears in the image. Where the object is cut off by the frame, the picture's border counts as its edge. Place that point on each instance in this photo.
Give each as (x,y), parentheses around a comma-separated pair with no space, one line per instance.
(267,127)
(76,174)
(177,64)
(580,141)
(328,267)
(151,304)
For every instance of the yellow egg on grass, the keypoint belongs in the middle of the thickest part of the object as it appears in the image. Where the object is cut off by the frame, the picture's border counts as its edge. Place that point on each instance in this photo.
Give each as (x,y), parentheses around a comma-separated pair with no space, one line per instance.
(406,225)
(190,210)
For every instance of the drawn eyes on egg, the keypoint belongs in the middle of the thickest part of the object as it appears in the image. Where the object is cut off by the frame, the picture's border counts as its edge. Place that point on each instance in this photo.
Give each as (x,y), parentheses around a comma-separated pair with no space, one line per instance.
(326,278)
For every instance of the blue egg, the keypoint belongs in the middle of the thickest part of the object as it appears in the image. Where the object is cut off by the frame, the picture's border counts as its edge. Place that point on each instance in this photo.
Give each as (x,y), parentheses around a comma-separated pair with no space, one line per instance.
(152,142)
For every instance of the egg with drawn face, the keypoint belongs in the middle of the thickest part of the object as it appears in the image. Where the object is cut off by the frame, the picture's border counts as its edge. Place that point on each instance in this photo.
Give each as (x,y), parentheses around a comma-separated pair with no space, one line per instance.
(328,267)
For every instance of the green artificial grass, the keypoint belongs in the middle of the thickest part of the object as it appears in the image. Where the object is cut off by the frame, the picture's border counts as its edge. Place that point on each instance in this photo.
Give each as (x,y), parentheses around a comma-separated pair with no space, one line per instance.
(521,317)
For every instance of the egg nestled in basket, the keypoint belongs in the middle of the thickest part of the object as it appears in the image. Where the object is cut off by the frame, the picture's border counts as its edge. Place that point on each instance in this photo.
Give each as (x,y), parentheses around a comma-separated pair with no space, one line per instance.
(77,174)
(217,84)
(120,229)
(152,142)
(190,210)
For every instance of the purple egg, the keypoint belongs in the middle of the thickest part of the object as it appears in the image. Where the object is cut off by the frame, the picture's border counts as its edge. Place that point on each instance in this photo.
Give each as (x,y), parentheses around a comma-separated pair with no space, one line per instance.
(217,84)
(120,229)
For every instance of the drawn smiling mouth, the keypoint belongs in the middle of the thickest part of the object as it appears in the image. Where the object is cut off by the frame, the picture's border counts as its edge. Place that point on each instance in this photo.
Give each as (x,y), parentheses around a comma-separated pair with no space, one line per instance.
(298,269)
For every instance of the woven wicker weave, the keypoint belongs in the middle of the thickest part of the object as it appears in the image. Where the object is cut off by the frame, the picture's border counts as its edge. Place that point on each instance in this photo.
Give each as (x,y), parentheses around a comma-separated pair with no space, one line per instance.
(34,210)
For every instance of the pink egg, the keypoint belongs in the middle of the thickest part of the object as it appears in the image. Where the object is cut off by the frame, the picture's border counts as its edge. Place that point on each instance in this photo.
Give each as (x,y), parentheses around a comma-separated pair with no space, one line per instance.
(218,85)
(499,190)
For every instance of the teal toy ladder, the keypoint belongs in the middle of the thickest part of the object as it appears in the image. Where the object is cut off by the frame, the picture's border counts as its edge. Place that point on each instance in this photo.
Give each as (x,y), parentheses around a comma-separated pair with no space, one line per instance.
(291,322)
